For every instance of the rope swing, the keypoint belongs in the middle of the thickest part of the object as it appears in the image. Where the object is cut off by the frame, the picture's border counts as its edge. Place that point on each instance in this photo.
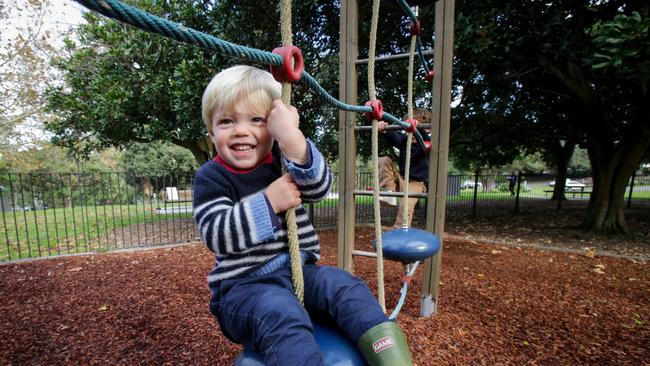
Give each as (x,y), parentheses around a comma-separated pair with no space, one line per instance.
(292,227)
(375,153)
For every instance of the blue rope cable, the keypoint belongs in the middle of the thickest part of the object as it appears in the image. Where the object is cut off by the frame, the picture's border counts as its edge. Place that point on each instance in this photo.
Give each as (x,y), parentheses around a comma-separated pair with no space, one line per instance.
(152,23)
(403,291)
(318,89)
(423,61)
(155,24)
(407,9)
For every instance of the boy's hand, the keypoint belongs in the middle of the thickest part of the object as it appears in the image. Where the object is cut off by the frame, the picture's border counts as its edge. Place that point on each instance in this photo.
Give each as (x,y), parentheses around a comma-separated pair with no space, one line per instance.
(381,126)
(283,194)
(283,126)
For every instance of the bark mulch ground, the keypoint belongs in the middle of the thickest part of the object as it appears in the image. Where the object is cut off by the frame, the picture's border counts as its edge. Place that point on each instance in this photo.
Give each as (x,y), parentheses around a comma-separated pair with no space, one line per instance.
(499,304)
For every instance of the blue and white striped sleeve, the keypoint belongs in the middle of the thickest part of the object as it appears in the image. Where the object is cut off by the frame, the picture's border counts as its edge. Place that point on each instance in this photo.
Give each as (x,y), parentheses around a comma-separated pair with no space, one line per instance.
(314,179)
(226,226)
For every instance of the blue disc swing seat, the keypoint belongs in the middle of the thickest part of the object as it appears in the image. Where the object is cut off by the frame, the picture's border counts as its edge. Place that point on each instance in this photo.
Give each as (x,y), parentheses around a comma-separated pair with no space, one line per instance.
(334,347)
(406,245)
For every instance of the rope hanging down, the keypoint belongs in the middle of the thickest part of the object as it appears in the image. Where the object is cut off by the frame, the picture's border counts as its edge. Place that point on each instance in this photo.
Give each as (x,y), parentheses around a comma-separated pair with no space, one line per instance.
(375,152)
(409,102)
(292,228)
(154,24)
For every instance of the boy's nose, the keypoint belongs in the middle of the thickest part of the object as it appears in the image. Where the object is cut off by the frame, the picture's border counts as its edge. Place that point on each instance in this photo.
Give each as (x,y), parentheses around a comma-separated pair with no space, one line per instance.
(241,128)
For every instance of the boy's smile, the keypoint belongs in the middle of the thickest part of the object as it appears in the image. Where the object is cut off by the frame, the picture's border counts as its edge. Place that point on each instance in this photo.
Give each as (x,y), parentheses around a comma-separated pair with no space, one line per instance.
(241,136)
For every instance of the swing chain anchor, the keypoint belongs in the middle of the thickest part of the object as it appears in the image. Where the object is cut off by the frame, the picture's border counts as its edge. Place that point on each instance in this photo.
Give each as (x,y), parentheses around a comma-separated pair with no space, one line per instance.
(430,75)
(292,64)
(413,125)
(415,28)
(377,110)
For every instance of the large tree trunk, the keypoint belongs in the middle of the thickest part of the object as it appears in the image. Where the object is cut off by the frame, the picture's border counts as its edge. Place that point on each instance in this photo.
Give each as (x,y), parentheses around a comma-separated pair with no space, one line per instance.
(202,149)
(612,169)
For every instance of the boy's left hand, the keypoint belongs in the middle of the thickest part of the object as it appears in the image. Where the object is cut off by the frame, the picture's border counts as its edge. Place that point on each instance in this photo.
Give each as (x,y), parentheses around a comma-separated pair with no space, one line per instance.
(283,125)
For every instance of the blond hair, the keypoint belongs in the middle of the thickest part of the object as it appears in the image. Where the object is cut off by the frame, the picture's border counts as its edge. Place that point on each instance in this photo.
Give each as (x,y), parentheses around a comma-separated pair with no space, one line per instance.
(230,86)
(422,115)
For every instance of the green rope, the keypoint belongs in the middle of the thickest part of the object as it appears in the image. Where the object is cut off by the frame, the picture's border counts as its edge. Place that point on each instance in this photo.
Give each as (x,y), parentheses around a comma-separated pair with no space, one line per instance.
(149,22)
(409,13)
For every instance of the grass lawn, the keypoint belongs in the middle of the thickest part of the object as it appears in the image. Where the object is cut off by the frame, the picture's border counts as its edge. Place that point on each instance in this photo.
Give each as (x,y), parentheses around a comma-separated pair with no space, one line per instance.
(29,234)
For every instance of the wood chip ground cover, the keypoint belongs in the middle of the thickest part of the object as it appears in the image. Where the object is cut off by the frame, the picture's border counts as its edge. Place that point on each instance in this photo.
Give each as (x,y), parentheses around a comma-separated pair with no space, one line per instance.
(499,305)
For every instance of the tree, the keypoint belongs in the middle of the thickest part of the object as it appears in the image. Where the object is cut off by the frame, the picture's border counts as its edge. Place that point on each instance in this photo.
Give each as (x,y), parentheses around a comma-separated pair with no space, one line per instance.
(124,85)
(157,164)
(28,46)
(592,55)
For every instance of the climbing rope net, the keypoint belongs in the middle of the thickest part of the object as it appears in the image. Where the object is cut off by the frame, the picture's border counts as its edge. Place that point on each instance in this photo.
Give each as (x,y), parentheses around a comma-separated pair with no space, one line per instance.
(287,66)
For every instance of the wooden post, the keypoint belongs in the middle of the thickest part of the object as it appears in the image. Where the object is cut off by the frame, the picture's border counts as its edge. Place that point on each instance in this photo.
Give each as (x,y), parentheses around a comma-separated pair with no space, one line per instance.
(349,41)
(443,49)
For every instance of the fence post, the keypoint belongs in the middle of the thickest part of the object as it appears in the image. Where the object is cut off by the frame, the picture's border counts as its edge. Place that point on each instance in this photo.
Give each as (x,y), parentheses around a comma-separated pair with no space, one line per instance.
(475,193)
(629,196)
(518,189)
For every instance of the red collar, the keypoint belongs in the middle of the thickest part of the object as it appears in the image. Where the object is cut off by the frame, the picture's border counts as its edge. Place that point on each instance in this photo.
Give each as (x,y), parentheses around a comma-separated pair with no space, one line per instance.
(267,160)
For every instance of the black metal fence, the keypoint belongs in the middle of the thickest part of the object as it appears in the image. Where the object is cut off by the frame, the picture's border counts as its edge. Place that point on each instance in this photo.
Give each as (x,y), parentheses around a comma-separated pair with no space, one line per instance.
(45,214)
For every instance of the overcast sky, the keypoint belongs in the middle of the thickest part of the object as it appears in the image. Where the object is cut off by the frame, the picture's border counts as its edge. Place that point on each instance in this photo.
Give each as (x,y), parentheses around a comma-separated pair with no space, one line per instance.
(54,20)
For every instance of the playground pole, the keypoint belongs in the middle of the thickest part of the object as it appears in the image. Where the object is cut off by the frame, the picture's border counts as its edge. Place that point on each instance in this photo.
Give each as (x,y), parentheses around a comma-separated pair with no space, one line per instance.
(441,91)
(347,143)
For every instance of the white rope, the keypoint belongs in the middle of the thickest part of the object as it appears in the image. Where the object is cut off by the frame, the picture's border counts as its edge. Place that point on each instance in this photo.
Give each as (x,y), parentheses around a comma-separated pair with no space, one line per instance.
(375,161)
(292,228)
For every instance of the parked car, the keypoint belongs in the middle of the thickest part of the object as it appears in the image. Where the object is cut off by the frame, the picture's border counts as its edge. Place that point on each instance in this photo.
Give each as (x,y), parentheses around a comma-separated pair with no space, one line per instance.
(469,184)
(571,185)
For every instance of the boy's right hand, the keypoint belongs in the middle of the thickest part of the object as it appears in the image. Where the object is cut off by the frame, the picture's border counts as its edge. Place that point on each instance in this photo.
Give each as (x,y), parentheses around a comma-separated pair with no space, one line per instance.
(283,193)
(381,126)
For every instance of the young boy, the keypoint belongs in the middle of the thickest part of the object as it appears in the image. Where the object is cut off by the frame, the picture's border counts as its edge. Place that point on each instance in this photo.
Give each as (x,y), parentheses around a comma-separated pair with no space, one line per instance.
(392,179)
(239,203)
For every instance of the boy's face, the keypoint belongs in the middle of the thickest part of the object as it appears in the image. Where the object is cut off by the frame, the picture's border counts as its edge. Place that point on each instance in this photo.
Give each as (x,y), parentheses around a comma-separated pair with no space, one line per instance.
(241,136)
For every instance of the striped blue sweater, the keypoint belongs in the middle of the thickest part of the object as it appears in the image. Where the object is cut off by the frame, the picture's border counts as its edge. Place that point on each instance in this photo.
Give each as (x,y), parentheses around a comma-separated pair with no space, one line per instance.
(236,221)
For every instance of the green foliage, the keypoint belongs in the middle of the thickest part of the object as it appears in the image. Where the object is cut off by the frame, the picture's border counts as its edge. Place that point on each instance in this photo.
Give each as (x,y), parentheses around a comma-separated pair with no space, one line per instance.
(580,164)
(156,159)
(550,76)
(622,44)
(124,85)
(158,164)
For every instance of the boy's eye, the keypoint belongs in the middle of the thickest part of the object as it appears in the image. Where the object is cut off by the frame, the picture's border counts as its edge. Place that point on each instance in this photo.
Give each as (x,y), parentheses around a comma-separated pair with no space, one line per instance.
(224,122)
(258,120)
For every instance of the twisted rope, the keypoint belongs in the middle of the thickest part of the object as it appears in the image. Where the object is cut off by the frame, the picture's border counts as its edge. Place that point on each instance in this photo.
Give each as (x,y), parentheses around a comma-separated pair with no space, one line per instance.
(414,18)
(375,153)
(409,137)
(292,227)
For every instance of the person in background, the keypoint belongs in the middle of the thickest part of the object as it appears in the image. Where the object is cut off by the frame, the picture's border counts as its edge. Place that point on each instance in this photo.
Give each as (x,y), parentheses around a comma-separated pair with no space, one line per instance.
(512,182)
(392,180)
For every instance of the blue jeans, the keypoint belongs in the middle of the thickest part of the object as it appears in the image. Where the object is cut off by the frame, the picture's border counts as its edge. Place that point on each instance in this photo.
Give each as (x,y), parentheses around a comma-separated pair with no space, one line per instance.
(262,312)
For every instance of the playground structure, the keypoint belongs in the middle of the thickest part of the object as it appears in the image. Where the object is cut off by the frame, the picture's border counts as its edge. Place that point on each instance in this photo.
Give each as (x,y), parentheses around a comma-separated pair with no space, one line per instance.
(441,94)
(287,67)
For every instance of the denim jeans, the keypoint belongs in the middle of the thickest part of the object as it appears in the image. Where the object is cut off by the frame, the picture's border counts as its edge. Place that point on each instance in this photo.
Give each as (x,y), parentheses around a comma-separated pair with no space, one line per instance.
(263,314)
